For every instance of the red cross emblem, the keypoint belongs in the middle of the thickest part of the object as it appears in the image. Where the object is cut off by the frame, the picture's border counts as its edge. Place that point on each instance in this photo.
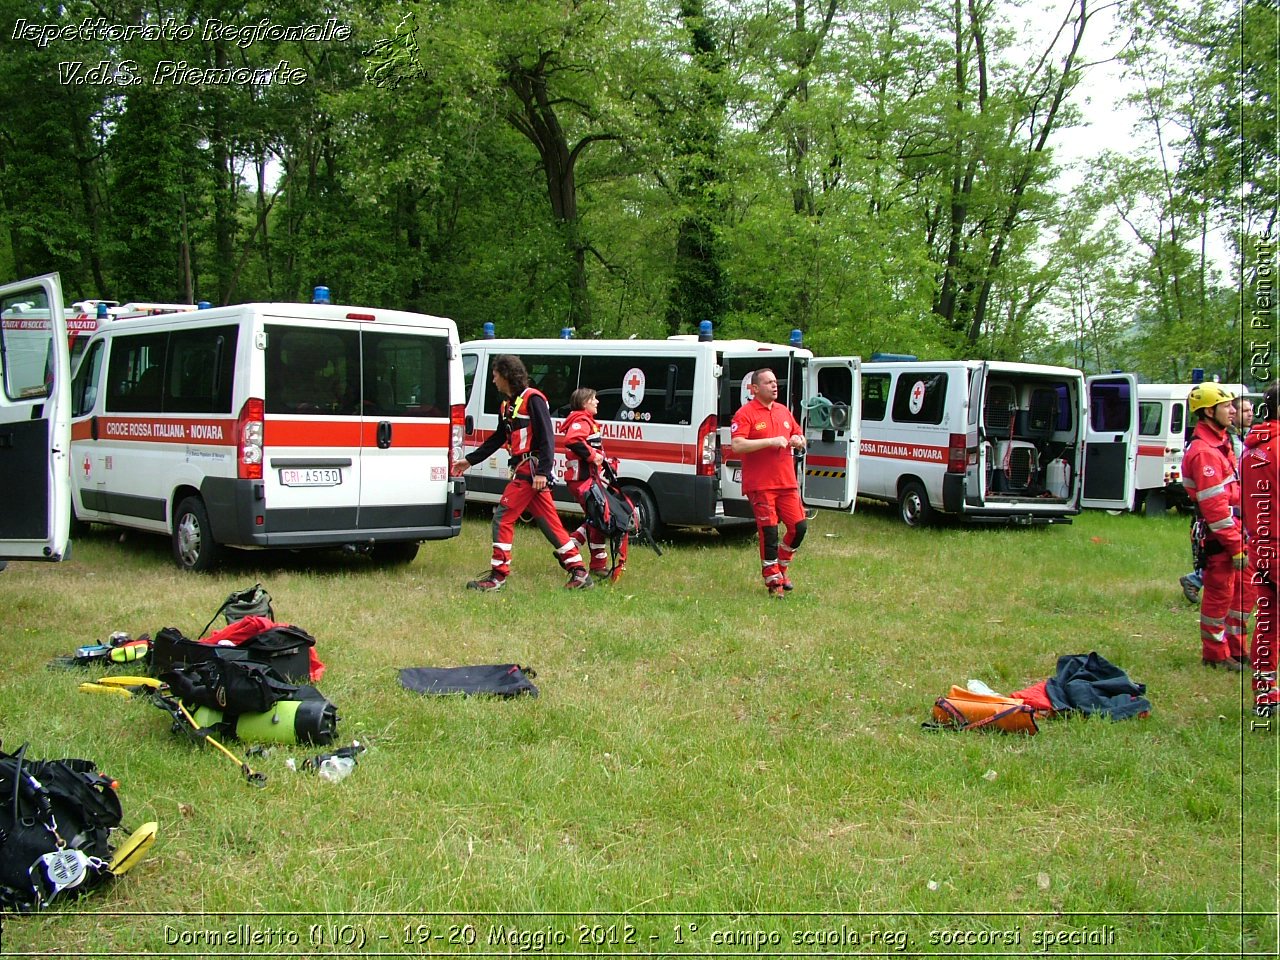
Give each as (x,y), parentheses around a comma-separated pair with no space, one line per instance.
(87,466)
(633,383)
(917,392)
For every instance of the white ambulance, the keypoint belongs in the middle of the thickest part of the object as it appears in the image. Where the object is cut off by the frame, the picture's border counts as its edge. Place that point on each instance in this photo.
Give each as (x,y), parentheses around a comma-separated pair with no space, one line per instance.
(35,404)
(1164,426)
(992,441)
(665,410)
(271,425)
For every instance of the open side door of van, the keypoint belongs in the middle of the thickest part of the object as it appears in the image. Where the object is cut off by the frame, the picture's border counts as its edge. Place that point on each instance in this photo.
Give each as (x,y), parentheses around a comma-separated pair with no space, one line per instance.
(35,421)
(977,450)
(832,424)
(1110,442)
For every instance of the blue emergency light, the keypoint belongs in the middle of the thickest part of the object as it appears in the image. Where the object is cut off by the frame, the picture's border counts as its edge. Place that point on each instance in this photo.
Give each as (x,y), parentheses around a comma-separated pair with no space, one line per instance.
(488,330)
(320,295)
(704,331)
(797,338)
(203,305)
(566,333)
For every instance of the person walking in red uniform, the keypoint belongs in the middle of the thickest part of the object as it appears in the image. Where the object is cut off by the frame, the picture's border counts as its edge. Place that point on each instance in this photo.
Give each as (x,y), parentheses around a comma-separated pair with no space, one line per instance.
(1260,493)
(1209,475)
(764,433)
(524,428)
(585,445)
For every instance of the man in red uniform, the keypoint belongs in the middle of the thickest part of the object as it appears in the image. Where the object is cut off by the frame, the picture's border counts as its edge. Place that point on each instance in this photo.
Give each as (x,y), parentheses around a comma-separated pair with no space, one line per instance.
(1209,474)
(1260,492)
(524,428)
(763,434)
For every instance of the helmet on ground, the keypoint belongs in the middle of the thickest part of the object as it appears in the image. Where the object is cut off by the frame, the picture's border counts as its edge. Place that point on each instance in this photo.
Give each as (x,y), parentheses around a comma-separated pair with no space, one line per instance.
(1204,396)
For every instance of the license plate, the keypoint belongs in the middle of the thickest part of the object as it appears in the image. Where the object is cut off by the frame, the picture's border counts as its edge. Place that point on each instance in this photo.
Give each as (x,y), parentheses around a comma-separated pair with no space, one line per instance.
(320,477)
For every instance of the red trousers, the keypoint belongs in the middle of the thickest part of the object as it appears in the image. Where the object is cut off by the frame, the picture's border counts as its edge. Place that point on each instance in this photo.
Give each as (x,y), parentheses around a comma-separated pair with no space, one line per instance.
(770,507)
(518,497)
(1225,604)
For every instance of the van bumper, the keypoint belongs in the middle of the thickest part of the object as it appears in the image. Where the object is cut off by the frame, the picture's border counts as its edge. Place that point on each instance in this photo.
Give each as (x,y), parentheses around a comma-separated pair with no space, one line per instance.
(685,501)
(235,505)
(953,494)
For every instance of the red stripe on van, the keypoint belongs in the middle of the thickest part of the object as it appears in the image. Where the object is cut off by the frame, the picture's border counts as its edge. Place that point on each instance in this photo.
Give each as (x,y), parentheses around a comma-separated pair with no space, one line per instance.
(816,461)
(903,451)
(311,433)
(653,451)
(352,433)
(195,431)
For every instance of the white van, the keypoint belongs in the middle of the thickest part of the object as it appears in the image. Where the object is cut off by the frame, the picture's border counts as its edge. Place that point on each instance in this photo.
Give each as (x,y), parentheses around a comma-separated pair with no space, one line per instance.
(35,404)
(665,409)
(271,425)
(992,441)
(1164,426)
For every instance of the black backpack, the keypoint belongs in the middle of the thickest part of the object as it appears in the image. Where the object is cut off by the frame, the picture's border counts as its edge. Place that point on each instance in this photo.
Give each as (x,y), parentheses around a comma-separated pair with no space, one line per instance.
(55,819)
(611,512)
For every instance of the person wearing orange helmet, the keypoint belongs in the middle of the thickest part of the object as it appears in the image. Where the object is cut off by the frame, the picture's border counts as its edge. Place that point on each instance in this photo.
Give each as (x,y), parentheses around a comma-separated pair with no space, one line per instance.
(1210,476)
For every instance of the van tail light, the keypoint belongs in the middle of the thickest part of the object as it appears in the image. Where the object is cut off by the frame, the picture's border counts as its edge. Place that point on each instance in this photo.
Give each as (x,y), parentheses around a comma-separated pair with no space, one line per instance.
(706,465)
(249,440)
(956,453)
(456,419)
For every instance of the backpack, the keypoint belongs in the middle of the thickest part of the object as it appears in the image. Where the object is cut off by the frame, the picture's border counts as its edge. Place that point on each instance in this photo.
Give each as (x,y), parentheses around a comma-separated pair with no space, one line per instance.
(611,512)
(55,819)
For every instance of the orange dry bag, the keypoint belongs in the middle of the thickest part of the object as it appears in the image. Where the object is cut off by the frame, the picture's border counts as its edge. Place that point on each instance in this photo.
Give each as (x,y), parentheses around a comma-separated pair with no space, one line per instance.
(962,709)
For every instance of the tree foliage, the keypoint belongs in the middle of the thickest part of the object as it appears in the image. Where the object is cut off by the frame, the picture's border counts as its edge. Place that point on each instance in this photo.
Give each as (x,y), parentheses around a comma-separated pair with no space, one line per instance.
(880,176)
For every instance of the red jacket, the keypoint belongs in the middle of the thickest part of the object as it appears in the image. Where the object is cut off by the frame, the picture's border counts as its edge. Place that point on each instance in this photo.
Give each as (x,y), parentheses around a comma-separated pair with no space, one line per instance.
(1260,494)
(582,438)
(1209,474)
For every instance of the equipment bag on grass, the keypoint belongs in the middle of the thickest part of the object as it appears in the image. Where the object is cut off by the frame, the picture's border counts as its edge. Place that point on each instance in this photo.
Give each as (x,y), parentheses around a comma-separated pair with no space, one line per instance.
(286,649)
(55,819)
(251,602)
(962,709)
(499,680)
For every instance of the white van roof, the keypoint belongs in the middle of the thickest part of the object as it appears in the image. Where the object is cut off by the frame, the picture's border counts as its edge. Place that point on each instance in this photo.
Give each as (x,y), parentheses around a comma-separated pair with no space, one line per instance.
(680,344)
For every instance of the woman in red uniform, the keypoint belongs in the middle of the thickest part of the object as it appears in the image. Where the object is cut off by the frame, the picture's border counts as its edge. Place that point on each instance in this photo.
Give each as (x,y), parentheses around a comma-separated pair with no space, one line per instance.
(585,445)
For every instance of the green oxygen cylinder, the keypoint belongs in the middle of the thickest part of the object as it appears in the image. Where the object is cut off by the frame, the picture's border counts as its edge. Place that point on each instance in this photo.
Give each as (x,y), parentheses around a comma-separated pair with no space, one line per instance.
(290,721)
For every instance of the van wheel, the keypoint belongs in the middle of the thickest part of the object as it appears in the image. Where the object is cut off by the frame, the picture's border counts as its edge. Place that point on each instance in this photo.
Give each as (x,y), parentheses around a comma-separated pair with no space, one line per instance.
(913,506)
(648,510)
(194,548)
(396,554)
(78,528)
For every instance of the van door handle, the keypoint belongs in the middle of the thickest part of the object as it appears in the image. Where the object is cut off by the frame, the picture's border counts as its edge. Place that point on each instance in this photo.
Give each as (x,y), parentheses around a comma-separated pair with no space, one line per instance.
(384,434)
(469,425)
(93,428)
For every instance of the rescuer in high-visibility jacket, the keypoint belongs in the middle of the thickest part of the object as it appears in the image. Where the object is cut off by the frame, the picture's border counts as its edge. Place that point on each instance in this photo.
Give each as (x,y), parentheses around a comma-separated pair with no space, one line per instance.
(524,428)
(1210,477)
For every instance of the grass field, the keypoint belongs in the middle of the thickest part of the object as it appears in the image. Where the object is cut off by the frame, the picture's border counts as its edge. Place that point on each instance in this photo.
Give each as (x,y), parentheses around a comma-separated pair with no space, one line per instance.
(706,771)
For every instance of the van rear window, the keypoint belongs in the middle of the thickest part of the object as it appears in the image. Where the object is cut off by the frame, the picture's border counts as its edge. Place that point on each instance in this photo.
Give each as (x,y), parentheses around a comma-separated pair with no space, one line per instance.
(875,396)
(920,397)
(318,372)
(1149,417)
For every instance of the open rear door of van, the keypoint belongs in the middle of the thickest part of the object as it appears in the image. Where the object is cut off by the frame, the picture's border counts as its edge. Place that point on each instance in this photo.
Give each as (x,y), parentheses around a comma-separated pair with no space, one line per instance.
(1110,442)
(35,421)
(832,425)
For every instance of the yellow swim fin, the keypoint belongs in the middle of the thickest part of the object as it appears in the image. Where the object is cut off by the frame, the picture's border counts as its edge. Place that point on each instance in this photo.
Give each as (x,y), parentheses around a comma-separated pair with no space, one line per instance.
(130,852)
